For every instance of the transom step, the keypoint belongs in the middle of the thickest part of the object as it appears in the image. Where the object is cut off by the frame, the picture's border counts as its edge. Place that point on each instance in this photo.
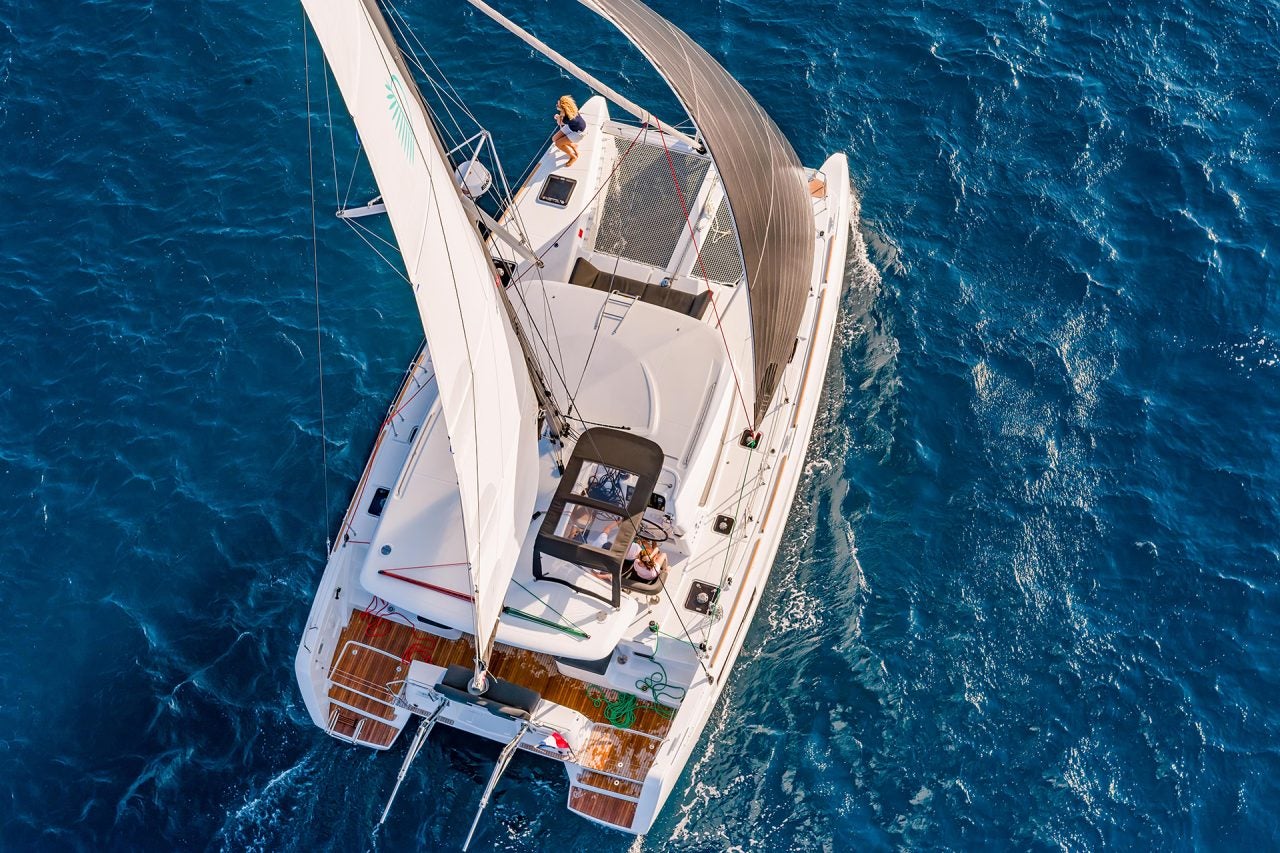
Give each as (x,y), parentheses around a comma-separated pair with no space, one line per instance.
(614,810)
(612,785)
(624,753)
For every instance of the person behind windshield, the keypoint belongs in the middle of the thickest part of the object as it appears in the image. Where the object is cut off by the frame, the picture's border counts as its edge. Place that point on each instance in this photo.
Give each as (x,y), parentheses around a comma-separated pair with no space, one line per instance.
(644,558)
(604,539)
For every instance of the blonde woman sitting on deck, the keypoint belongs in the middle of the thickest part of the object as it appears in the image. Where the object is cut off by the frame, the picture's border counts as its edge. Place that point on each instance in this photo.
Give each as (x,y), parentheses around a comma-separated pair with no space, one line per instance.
(572,128)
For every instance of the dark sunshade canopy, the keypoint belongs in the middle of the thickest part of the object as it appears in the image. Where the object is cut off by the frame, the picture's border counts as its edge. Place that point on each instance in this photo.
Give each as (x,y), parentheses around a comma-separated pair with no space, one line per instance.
(762,176)
(598,507)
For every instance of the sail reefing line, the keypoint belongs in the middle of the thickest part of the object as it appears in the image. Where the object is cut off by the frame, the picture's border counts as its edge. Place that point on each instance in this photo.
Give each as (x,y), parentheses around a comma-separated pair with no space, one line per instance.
(484,387)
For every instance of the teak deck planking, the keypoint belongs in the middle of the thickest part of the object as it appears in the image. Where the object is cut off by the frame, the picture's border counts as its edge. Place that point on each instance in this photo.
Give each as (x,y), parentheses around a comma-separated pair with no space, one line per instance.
(608,784)
(602,806)
(346,721)
(371,675)
(619,752)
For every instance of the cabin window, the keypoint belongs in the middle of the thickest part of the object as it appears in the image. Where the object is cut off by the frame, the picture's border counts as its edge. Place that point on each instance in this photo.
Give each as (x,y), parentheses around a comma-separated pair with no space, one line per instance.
(379,501)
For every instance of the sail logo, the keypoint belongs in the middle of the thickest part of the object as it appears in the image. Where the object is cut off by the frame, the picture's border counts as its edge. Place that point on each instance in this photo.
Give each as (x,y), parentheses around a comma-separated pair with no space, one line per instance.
(400,117)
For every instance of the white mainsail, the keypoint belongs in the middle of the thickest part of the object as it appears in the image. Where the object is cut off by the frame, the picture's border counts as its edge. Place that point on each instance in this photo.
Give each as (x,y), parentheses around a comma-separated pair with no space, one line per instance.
(488,401)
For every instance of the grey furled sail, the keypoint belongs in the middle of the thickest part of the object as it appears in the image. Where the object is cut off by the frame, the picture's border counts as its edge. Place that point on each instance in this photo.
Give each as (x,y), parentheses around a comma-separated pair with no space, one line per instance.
(763,180)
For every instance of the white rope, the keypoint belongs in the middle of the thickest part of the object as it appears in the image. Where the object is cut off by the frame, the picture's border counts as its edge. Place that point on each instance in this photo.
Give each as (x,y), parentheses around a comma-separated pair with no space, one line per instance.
(315,266)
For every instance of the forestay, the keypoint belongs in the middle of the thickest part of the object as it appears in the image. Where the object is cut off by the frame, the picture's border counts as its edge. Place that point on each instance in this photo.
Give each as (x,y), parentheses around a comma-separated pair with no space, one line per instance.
(762,176)
(484,389)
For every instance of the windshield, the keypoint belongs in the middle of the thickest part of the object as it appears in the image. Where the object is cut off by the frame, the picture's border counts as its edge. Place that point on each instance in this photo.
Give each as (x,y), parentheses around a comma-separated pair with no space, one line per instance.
(606,484)
(594,527)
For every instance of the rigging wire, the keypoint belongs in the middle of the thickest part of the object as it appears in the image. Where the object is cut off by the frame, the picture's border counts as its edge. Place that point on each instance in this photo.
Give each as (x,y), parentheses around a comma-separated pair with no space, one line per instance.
(451,95)
(596,336)
(728,550)
(454,141)
(705,280)
(551,244)
(355,161)
(654,684)
(698,649)
(333,147)
(567,621)
(361,231)
(448,94)
(365,229)
(509,205)
(537,158)
(315,266)
(454,96)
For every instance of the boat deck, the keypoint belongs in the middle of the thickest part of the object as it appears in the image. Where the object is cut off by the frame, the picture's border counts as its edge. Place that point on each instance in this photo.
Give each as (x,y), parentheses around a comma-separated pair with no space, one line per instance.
(373,656)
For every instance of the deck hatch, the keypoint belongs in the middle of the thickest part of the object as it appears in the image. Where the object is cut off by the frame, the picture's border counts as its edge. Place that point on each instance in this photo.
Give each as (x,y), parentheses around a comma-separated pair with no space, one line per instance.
(379,501)
(557,190)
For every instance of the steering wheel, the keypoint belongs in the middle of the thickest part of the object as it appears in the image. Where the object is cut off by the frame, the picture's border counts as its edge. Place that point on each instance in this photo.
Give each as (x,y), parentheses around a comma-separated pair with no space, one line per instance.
(652,530)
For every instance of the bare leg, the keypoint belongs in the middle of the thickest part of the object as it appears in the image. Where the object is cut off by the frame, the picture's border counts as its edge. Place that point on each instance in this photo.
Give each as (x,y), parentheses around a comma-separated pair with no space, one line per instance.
(562,142)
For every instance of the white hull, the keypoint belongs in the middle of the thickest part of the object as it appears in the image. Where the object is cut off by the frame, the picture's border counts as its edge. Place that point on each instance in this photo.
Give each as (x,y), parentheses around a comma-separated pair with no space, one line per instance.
(714,476)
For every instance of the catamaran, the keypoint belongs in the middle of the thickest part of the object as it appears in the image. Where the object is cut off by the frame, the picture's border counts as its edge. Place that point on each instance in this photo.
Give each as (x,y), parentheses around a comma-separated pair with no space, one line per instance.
(577,494)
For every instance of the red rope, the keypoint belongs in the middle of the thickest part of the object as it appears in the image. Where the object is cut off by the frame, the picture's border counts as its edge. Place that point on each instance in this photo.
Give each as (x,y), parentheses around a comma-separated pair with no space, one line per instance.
(371,615)
(453,593)
(684,207)
(406,619)
(415,646)
(391,416)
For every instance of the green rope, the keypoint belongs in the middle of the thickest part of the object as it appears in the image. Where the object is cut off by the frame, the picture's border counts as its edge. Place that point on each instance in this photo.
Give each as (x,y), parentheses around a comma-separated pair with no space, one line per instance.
(511,611)
(658,686)
(690,643)
(568,627)
(657,683)
(620,708)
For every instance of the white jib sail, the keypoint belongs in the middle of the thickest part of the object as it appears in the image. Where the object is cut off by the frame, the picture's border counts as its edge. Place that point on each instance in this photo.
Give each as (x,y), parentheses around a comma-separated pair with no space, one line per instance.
(488,402)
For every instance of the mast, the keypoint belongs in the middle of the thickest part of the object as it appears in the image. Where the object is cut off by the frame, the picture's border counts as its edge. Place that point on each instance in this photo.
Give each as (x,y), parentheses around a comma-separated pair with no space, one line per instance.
(557,425)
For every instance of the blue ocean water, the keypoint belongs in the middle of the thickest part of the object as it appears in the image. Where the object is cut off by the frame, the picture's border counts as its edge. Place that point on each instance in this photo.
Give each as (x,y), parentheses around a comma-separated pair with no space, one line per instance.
(1029,592)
